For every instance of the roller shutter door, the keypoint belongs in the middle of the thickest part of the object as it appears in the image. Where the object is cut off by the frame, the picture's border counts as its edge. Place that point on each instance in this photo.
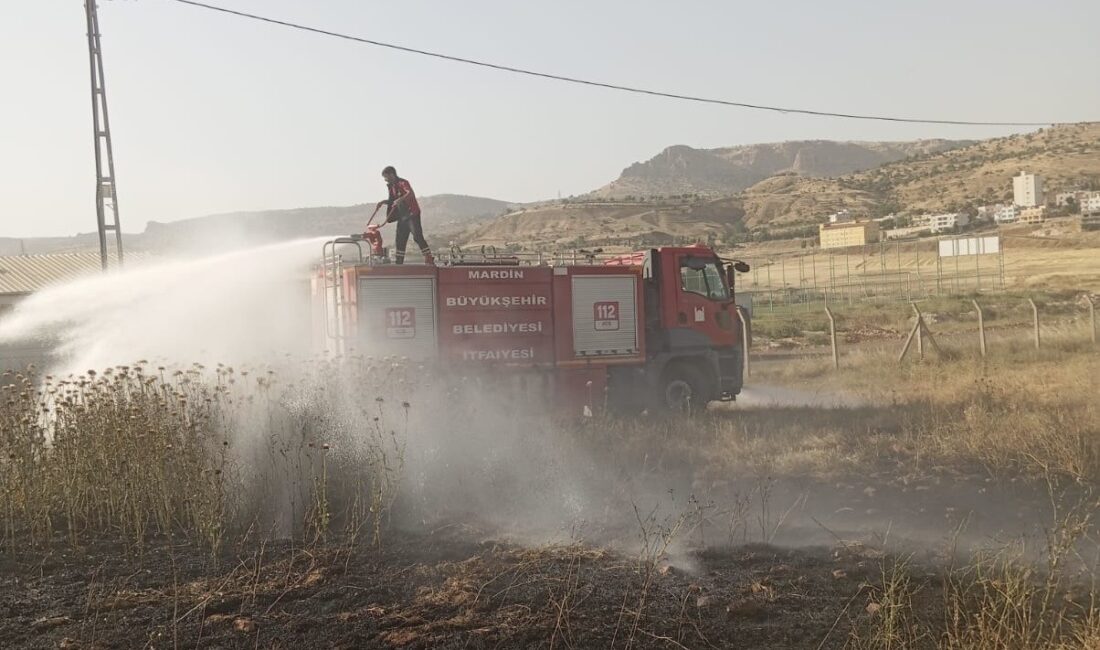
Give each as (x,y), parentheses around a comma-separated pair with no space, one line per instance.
(397,317)
(605,321)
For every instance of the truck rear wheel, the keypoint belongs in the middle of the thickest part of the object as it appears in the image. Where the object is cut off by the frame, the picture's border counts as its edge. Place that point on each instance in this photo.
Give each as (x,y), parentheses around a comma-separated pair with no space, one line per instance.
(683,389)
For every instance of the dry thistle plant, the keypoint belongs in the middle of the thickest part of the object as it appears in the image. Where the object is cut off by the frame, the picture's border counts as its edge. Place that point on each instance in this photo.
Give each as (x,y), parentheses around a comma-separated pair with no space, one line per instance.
(130,453)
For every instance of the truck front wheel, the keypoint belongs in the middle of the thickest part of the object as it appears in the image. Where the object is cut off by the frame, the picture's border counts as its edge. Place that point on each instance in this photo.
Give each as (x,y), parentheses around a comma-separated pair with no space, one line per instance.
(683,389)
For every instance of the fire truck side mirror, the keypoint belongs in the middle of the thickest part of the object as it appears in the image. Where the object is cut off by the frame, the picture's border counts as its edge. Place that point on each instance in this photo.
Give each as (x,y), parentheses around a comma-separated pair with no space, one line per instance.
(732,269)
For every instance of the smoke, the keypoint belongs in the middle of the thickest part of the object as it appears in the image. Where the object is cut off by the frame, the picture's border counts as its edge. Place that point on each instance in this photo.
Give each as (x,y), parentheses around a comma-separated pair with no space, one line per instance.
(767,396)
(237,307)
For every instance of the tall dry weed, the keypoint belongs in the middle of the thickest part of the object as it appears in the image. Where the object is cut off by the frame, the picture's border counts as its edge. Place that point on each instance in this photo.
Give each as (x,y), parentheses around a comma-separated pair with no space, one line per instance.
(131,453)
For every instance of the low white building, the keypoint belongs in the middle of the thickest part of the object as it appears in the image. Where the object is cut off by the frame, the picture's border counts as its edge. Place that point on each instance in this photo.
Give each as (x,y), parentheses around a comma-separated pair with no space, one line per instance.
(906,232)
(1089,202)
(938,223)
(1006,214)
(843,216)
(1062,199)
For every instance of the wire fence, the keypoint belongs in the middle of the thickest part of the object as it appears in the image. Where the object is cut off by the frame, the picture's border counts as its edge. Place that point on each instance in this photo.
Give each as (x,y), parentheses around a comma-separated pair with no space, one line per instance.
(806,279)
(983,325)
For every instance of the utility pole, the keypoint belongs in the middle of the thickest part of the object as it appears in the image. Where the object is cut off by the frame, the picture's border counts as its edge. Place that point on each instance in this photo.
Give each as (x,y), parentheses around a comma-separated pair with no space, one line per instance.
(106,198)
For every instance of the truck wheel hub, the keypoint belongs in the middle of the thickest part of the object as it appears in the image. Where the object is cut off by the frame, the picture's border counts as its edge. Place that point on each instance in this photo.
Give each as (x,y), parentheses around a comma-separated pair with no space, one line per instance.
(678,394)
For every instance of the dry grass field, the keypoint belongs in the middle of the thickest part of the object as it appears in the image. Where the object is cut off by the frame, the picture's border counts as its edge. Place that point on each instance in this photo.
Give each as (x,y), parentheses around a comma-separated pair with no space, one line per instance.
(942,504)
(1050,258)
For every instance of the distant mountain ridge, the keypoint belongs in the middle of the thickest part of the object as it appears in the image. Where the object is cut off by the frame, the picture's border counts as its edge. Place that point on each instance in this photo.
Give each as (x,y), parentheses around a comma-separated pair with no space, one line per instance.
(933,175)
(1066,156)
(443,214)
(681,169)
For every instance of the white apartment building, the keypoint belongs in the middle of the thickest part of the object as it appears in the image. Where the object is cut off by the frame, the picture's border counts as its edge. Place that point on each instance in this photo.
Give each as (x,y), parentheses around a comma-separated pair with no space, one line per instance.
(1061,199)
(943,222)
(1006,214)
(1080,197)
(1027,190)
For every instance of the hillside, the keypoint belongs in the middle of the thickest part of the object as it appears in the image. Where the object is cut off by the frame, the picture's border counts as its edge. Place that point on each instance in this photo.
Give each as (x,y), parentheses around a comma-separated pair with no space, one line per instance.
(791,200)
(444,215)
(683,170)
(944,176)
(626,224)
(1066,156)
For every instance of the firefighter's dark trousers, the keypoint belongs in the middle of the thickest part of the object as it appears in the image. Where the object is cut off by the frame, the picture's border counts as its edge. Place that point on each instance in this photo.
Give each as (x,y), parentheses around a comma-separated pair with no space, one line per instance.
(405,225)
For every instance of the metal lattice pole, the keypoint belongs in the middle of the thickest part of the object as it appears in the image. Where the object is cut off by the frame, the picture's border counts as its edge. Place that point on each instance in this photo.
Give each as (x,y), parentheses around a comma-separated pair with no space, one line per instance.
(106,197)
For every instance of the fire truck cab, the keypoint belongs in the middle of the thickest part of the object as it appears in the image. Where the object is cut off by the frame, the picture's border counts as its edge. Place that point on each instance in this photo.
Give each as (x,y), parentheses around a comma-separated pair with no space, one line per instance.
(693,330)
(654,330)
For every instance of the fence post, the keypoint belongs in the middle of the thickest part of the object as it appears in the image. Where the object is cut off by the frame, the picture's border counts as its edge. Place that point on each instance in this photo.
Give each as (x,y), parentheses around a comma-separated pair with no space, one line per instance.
(1092,317)
(978,270)
(909,339)
(1001,262)
(745,364)
(832,336)
(813,265)
(1035,319)
(848,273)
(981,327)
(920,332)
(920,280)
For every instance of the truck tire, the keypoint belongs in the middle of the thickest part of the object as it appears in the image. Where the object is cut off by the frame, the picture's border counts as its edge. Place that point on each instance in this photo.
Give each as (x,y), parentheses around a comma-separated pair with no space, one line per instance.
(683,390)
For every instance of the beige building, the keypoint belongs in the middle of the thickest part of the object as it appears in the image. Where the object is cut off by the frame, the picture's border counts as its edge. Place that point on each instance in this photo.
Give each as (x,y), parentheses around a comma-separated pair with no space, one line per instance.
(1037,214)
(853,233)
(1027,190)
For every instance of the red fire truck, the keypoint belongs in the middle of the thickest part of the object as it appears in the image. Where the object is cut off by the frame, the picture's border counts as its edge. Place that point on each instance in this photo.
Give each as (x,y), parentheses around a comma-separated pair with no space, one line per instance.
(656,329)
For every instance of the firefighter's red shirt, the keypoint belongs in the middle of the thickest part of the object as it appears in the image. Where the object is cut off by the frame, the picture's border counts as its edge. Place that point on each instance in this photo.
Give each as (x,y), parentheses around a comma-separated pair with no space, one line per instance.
(400,188)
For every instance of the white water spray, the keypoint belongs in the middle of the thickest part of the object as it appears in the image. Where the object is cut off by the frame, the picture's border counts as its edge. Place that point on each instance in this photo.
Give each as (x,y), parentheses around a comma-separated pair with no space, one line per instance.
(244,306)
(473,458)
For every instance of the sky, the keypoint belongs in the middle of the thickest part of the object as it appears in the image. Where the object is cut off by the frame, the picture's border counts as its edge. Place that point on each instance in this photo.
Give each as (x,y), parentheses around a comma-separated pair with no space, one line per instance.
(212,113)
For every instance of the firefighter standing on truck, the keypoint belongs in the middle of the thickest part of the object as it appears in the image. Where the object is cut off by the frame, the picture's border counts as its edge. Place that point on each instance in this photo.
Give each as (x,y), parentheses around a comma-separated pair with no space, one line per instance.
(403,208)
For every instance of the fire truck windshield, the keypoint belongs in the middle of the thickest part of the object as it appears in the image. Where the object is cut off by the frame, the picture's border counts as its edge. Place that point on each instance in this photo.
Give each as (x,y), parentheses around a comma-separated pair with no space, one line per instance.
(704,277)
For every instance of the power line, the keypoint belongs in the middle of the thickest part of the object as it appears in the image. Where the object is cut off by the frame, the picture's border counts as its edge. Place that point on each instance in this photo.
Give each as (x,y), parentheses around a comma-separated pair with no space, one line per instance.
(598,84)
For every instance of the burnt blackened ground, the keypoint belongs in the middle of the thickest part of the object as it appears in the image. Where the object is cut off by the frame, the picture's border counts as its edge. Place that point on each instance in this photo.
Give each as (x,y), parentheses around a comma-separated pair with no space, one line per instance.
(433,591)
